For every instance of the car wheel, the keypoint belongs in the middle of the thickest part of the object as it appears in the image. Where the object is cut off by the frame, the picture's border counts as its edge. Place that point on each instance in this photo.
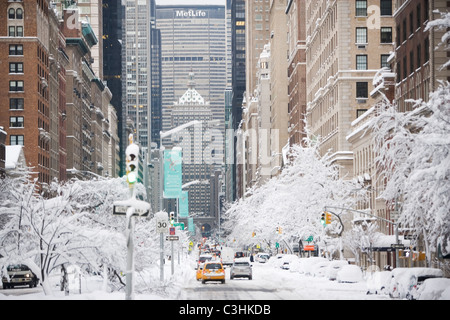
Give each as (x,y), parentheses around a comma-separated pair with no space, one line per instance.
(250,278)
(223,281)
(203,281)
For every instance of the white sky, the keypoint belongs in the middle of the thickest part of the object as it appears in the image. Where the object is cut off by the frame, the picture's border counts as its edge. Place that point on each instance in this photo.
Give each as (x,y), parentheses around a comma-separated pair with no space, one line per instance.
(188,2)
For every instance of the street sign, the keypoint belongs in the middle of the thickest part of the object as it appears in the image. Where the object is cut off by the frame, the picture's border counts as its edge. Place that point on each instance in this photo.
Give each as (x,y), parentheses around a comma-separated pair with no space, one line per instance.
(122,211)
(172,173)
(309,239)
(162,226)
(397,246)
(172,231)
(172,238)
(179,224)
(308,248)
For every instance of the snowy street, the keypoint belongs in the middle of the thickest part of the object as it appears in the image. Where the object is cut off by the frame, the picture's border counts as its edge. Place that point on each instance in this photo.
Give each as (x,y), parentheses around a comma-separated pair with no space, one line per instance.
(269,283)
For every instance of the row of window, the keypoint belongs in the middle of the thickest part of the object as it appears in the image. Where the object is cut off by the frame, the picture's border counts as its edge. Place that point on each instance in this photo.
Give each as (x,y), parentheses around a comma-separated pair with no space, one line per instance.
(361,8)
(415,22)
(417,58)
(15,31)
(385,35)
(15,13)
(362,61)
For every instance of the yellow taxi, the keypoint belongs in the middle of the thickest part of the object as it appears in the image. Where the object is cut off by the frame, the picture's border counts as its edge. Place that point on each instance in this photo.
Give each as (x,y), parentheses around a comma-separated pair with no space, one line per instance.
(213,271)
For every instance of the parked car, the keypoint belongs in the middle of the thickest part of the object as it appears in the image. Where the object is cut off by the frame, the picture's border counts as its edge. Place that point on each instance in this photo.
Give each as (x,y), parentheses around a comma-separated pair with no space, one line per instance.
(433,289)
(405,281)
(262,257)
(307,266)
(285,265)
(333,268)
(378,282)
(19,275)
(349,273)
(213,271)
(319,269)
(241,269)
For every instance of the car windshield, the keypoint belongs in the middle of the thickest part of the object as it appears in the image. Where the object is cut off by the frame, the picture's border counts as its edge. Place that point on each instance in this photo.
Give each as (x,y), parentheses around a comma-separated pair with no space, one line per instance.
(203,259)
(18,267)
(213,266)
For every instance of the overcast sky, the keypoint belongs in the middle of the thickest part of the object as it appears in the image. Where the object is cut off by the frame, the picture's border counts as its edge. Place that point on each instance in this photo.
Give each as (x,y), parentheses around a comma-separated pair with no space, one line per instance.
(188,2)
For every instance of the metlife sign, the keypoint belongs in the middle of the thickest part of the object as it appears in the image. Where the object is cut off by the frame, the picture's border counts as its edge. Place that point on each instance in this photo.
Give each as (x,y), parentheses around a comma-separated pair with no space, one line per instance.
(190,13)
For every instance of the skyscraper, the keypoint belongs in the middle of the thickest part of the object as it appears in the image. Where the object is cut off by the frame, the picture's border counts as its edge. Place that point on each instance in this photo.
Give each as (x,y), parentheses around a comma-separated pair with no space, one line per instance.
(193,38)
(136,69)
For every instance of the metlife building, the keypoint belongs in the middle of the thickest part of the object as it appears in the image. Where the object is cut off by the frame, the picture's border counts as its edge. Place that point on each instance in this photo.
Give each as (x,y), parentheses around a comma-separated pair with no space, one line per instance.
(194,38)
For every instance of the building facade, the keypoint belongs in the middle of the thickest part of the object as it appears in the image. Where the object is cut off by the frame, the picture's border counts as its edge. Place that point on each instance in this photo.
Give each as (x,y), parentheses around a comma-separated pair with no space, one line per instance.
(55,102)
(26,58)
(295,12)
(347,43)
(417,62)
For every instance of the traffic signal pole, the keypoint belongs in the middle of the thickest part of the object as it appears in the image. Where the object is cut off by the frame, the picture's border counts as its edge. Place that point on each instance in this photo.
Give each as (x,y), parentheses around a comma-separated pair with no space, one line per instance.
(130,255)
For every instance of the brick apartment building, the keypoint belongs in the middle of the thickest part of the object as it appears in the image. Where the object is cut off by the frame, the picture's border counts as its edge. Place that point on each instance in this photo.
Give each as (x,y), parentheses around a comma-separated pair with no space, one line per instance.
(54,104)
(25,70)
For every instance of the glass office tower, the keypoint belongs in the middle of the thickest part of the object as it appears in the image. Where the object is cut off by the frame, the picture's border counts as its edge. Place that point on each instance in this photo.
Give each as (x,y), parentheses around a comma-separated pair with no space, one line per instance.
(193,39)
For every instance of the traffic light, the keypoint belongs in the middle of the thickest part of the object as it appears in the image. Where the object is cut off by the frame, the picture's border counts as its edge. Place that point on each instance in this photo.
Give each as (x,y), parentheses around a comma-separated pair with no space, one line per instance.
(253,234)
(172,217)
(280,230)
(277,230)
(132,160)
(323,219)
(327,217)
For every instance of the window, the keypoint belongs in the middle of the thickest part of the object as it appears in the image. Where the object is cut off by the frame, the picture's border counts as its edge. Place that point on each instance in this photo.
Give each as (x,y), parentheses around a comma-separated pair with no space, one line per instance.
(361,62)
(361,8)
(16,104)
(14,31)
(362,90)
(404,29)
(405,68)
(386,35)
(16,67)
(16,122)
(411,62)
(11,13)
(384,61)
(360,112)
(15,14)
(419,16)
(15,86)
(16,140)
(361,35)
(419,56)
(427,49)
(19,14)
(411,23)
(16,50)
(386,7)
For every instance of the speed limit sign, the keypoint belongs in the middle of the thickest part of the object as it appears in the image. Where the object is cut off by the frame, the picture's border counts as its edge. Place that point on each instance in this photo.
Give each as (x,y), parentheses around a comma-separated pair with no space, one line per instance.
(162,226)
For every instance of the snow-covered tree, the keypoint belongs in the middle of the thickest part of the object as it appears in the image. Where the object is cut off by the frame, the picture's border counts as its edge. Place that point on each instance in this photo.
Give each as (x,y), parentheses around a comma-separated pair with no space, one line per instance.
(414,153)
(293,201)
